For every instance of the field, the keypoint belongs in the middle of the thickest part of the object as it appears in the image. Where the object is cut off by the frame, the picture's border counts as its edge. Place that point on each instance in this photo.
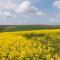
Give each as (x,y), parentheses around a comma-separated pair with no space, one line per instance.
(10,28)
(30,45)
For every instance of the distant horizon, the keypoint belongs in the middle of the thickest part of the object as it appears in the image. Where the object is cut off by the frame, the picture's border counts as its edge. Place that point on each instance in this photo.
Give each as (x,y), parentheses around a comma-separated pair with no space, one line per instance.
(33,24)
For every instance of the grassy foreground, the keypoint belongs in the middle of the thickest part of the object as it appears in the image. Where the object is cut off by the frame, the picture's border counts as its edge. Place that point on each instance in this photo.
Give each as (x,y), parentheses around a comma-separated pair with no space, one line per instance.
(30,45)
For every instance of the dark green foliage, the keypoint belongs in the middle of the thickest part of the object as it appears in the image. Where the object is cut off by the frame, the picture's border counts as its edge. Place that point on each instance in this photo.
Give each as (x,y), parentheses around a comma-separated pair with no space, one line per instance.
(2,27)
(25,27)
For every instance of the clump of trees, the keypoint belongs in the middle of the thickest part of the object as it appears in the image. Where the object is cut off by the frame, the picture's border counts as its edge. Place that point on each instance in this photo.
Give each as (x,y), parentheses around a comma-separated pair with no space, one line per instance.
(2,27)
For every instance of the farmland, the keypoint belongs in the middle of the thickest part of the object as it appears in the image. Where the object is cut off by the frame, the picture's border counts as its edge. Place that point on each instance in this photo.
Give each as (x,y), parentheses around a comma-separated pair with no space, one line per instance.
(10,28)
(30,45)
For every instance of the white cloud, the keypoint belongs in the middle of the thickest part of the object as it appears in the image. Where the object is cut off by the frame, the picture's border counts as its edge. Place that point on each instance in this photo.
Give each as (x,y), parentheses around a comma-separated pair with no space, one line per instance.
(54,21)
(23,7)
(26,7)
(5,14)
(58,16)
(57,4)
(7,5)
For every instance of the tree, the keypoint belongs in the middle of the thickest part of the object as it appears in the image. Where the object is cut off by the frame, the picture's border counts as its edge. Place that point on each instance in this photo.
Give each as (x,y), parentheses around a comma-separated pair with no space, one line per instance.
(2,27)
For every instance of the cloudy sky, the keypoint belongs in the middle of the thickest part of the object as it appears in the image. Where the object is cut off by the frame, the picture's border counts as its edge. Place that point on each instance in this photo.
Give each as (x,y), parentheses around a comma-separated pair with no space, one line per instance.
(17,12)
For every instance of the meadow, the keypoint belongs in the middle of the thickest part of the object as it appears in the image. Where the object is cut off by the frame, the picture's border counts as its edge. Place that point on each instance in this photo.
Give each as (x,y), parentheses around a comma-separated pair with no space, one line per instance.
(30,45)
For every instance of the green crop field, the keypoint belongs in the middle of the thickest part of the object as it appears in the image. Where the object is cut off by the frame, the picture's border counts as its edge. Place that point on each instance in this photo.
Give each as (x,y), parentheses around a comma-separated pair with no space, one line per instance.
(26,27)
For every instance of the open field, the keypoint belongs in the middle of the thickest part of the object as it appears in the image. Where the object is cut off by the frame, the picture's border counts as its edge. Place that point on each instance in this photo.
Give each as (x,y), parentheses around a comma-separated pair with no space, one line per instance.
(30,45)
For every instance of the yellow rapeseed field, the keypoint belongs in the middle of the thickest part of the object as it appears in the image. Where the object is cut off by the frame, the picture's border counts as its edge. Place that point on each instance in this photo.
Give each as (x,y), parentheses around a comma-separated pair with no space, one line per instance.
(30,45)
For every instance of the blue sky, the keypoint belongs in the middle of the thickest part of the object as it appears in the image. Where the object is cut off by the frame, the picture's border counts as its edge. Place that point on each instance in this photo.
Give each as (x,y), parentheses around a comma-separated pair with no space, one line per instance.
(17,12)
